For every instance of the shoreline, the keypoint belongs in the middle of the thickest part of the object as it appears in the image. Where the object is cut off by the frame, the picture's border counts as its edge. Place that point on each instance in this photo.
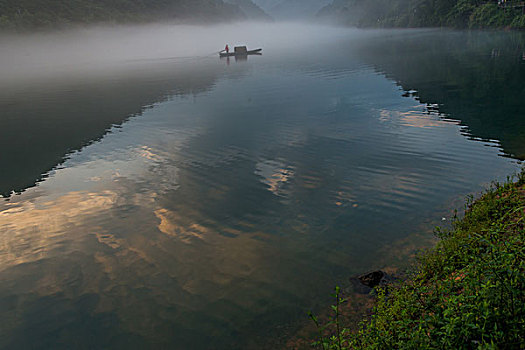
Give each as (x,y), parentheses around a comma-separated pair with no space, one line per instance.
(466,291)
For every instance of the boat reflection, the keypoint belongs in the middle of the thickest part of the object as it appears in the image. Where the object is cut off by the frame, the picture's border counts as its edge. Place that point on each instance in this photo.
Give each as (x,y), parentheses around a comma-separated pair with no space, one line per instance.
(239,58)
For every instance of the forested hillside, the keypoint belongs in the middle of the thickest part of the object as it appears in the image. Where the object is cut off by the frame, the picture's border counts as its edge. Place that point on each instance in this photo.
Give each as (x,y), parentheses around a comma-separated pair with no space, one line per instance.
(27,14)
(427,13)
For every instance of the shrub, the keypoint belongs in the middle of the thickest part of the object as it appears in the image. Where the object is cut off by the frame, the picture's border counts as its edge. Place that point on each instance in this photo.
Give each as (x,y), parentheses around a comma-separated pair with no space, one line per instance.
(518,22)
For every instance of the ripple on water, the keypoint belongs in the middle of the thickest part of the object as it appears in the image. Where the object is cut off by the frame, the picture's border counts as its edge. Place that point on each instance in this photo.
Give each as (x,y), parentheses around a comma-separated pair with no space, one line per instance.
(227,210)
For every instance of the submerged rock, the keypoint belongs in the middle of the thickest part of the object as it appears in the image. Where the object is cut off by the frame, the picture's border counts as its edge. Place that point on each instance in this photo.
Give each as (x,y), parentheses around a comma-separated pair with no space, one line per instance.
(372,279)
(365,283)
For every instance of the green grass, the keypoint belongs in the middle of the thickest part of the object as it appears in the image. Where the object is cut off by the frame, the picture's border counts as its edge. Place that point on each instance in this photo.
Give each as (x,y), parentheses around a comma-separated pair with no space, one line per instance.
(465,293)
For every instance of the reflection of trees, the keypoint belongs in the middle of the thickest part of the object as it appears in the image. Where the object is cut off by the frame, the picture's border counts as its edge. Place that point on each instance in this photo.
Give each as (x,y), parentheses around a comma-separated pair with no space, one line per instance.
(46,120)
(476,78)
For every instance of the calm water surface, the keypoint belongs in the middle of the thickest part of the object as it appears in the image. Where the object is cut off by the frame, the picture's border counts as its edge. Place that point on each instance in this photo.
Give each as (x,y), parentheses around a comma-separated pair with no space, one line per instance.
(205,204)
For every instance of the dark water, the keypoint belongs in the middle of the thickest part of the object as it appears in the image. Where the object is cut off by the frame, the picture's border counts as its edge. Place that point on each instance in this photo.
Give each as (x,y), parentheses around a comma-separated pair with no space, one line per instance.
(206,204)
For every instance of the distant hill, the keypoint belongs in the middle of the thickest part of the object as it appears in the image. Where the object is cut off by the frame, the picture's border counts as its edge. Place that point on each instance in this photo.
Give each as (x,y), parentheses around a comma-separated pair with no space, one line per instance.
(426,13)
(266,5)
(21,14)
(251,10)
(292,9)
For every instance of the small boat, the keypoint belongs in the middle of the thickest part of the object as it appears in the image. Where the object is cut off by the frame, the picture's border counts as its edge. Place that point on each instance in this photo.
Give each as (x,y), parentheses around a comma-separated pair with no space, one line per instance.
(240,51)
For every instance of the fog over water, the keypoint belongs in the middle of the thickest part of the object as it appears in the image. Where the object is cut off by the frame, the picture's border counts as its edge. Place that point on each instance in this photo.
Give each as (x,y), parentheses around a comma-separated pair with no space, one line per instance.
(91,50)
(155,195)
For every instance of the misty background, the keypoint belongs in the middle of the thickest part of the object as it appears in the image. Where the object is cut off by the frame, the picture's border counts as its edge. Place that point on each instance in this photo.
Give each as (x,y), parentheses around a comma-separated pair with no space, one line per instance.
(28,15)
(34,14)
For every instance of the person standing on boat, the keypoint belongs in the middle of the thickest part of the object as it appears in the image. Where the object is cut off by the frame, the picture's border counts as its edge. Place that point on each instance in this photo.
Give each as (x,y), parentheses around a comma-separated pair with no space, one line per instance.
(227,49)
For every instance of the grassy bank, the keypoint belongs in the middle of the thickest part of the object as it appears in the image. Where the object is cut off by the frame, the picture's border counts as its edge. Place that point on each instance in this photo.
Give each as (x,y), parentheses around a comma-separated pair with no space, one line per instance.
(465,293)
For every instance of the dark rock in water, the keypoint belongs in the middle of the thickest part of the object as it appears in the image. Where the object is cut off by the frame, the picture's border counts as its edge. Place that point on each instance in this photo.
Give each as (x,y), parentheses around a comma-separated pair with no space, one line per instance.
(365,284)
(372,279)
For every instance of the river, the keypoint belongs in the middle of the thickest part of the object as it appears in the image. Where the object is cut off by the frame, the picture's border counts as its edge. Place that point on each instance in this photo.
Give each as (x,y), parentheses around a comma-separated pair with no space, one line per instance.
(159,199)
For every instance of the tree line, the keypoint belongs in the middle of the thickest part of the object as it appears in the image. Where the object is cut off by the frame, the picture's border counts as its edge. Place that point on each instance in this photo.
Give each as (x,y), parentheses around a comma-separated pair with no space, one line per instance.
(32,14)
(427,13)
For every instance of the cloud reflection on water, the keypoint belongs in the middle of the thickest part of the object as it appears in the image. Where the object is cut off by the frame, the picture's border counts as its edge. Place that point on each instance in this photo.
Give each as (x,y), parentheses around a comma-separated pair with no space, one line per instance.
(215,217)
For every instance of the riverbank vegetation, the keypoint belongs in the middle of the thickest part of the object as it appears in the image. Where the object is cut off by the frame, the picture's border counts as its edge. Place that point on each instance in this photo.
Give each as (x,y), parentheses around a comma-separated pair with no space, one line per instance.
(468,292)
(427,13)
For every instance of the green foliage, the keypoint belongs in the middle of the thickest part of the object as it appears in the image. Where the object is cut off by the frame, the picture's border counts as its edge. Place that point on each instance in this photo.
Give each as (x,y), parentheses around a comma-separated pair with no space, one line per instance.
(490,15)
(29,14)
(332,336)
(466,293)
(427,13)
(459,15)
(518,22)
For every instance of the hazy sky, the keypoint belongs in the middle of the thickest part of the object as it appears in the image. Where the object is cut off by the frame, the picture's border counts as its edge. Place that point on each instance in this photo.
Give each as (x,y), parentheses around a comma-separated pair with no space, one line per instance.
(282,9)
